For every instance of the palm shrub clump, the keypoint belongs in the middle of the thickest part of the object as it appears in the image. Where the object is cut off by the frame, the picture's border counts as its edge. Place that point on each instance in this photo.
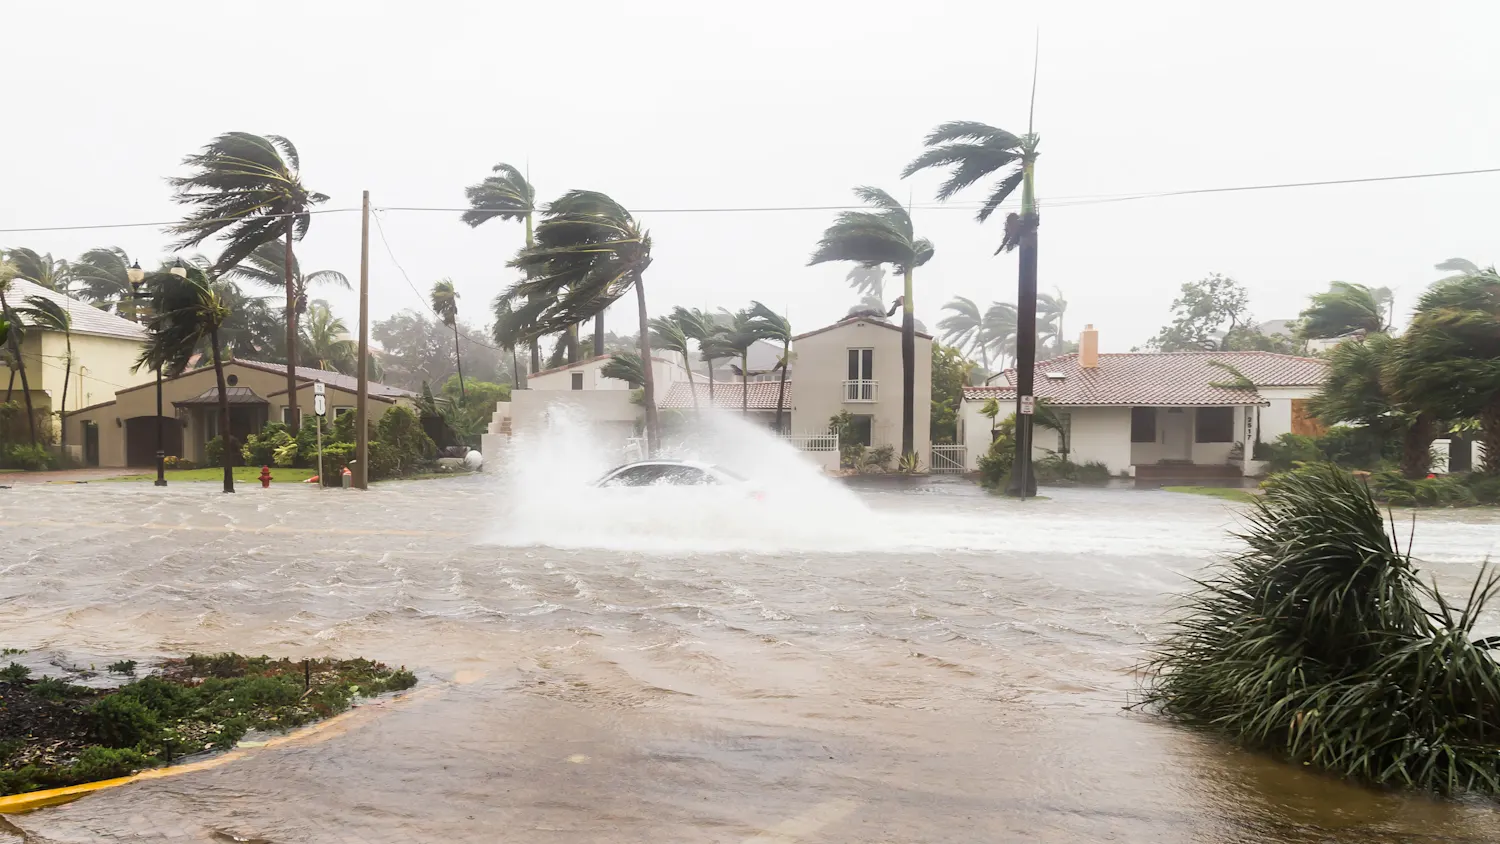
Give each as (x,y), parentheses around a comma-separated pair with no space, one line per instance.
(1320,643)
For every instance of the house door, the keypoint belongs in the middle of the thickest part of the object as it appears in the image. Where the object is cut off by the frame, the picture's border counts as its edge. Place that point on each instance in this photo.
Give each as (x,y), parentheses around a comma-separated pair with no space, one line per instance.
(1176,434)
(90,444)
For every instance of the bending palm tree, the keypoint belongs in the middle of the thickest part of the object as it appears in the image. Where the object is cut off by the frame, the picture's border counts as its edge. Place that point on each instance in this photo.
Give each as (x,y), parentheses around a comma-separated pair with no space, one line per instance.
(505,196)
(667,333)
(974,151)
(1050,309)
(247,190)
(699,327)
(625,366)
(1342,309)
(739,335)
(776,328)
(965,328)
(47,314)
(103,277)
(187,311)
(589,252)
(445,305)
(873,238)
(326,340)
(41,270)
(999,331)
(13,343)
(266,266)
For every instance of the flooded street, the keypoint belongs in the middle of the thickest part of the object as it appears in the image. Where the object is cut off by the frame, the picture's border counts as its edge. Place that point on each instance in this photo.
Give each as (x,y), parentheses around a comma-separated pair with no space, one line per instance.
(888,664)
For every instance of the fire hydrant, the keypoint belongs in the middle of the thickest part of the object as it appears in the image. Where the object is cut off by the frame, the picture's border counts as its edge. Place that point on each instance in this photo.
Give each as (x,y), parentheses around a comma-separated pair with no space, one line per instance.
(265,477)
(346,478)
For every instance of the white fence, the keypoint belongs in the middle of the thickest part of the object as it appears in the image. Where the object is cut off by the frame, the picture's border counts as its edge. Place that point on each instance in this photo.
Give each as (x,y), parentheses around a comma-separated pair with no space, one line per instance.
(948,460)
(813,442)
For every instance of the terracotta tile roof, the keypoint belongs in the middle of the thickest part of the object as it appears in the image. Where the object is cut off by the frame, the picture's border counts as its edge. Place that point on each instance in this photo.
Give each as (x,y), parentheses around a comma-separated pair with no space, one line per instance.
(727,395)
(1159,379)
(86,318)
(852,320)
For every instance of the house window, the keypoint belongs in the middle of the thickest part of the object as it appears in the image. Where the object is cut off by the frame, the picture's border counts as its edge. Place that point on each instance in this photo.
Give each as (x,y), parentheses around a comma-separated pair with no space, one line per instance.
(862,425)
(578,380)
(286,415)
(340,411)
(1143,424)
(861,364)
(1215,425)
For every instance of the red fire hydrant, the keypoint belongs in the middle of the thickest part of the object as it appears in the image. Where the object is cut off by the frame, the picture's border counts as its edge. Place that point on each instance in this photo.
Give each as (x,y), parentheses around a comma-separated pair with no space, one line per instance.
(265,477)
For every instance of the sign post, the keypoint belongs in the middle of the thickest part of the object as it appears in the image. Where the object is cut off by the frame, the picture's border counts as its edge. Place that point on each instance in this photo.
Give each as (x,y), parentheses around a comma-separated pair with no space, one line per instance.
(1028,405)
(320,407)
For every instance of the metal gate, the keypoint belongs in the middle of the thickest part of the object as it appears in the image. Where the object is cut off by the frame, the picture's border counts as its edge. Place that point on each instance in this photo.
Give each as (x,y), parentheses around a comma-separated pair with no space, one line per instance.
(948,460)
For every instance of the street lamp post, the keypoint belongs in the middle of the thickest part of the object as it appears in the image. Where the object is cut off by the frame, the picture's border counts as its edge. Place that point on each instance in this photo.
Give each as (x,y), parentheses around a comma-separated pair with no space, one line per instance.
(136,276)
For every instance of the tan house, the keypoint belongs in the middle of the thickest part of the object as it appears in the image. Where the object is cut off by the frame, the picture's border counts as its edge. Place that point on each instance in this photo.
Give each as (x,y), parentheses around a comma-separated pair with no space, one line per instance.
(105,350)
(122,432)
(855,365)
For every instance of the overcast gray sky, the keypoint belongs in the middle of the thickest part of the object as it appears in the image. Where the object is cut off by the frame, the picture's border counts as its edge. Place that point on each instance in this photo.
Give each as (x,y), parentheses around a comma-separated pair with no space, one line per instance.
(668,104)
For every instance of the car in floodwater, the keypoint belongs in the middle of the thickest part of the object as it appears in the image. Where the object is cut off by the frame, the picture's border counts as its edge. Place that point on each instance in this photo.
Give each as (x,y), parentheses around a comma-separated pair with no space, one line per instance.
(645,473)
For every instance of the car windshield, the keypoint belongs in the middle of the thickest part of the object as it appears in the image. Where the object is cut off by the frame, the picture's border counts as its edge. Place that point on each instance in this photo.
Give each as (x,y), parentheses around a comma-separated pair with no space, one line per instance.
(651,474)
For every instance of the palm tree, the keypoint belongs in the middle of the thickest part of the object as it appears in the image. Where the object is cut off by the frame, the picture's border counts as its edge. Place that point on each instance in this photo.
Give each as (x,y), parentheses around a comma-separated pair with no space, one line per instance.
(325,339)
(13,342)
(266,267)
(508,333)
(975,151)
(41,270)
(1448,356)
(248,190)
(252,329)
(625,366)
(445,305)
(1459,267)
(48,315)
(699,327)
(186,312)
(871,239)
(964,329)
(103,279)
(999,331)
(667,333)
(505,196)
(1343,308)
(1359,390)
(739,335)
(1049,316)
(776,328)
(589,252)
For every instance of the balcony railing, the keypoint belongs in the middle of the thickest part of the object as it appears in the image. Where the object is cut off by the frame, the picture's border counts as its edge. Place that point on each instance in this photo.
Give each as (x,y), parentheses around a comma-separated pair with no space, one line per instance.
(860,391)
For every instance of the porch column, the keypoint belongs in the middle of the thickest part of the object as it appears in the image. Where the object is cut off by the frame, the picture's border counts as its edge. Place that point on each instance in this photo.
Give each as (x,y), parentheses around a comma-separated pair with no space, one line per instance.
(1252,428)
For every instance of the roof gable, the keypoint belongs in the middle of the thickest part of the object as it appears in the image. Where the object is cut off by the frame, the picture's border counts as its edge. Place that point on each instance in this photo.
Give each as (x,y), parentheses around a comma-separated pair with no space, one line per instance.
(843,323)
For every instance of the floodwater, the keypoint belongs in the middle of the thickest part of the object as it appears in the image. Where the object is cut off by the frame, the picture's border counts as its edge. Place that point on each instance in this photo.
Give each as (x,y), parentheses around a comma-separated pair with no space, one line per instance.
(881,663)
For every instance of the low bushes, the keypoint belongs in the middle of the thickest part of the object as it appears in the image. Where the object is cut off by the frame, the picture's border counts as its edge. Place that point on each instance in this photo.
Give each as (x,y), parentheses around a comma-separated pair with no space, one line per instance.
(1056,469)
(31,458)
(1320,643)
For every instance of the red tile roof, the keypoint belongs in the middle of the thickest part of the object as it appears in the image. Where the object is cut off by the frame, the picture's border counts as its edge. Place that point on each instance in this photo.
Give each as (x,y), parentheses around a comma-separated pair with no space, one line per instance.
(853,320)
(1159,379)
(727,395)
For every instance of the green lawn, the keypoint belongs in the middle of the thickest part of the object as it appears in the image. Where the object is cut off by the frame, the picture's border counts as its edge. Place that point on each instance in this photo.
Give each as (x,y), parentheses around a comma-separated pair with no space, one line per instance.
(242,474)
(1243,496)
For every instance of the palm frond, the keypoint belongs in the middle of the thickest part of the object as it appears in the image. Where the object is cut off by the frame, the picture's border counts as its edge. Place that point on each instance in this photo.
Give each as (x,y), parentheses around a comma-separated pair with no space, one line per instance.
(507,195)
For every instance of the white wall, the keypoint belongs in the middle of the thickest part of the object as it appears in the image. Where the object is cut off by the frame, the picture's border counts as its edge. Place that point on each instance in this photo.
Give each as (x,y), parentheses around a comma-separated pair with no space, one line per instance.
(974,429)
(1102,434)
(822,366)
(1276,419)
(562,379)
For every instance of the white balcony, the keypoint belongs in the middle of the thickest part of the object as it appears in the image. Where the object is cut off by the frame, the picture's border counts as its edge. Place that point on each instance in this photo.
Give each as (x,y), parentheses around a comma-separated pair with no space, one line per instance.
(860,391)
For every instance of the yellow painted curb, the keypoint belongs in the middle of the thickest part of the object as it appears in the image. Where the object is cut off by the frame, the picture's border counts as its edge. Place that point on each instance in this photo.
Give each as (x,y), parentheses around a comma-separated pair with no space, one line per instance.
(311,734)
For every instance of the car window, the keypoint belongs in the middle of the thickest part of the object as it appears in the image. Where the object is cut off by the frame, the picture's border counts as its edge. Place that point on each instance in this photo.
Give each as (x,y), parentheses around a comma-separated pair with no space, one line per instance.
(686,476)
(636,476)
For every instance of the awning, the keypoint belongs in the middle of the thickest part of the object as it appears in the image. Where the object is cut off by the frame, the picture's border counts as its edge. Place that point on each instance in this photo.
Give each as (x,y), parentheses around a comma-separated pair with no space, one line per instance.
(210,397)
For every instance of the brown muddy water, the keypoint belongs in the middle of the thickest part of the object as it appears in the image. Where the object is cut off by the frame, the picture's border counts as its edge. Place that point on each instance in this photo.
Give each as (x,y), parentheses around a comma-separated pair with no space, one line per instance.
(920,664)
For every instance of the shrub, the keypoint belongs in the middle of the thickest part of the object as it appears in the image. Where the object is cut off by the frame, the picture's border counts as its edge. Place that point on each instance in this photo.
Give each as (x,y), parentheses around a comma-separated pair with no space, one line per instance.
(124,666)
(1486,488)
(1358,447)
(1056,469)
(31,458)
(995,465)
(261,449)
(910,464)
(102,763)
(1320,642)
(14,673)
(335,458)
(121,720)
(875,459)
(401,431)
(307,440)
(384,463)
(1290,449)
(213,451)
(1444,491)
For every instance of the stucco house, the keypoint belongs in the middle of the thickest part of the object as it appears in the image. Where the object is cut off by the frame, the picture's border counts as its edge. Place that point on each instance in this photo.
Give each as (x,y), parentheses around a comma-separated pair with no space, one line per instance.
(1176,415)
(105,350)
(122,431)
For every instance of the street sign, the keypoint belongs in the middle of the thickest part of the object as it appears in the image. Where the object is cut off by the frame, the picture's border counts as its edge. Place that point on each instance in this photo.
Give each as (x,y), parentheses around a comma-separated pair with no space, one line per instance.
(317,388)
(1028,405)
(320,404)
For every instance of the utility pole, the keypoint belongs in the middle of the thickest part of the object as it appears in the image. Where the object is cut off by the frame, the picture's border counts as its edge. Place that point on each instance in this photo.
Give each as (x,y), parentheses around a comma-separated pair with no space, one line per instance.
(361,418)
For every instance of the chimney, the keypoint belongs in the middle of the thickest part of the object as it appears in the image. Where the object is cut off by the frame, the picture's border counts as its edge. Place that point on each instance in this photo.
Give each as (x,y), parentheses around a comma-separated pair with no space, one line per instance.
(1088,348)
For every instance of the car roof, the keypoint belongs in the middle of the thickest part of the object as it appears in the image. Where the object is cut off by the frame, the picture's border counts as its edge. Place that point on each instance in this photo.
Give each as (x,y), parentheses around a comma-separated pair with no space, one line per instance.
(657,462)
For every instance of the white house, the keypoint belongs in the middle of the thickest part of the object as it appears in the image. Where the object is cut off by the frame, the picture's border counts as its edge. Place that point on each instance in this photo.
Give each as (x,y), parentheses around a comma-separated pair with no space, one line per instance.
(1174,415)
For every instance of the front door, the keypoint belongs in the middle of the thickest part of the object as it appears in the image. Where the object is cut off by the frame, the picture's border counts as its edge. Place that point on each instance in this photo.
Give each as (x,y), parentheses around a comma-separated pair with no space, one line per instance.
(1176,434)
(90,444)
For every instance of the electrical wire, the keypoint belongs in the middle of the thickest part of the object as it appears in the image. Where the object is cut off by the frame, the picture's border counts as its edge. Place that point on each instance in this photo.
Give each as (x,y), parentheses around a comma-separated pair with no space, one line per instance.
(167,222)
(380,229)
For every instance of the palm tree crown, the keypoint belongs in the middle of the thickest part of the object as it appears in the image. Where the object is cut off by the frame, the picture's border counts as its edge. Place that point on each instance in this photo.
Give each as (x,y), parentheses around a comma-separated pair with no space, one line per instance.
(266,266)
(974,151)
(1342,309)
(326,340)
(103,277)
(506,196)
(41,270)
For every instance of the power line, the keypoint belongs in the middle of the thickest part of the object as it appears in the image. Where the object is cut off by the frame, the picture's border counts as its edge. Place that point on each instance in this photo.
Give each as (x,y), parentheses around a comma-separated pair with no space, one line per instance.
(167,222)
(380,229)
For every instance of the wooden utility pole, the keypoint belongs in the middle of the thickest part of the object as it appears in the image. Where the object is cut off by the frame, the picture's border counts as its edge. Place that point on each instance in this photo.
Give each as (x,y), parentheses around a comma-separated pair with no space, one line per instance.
(361,412)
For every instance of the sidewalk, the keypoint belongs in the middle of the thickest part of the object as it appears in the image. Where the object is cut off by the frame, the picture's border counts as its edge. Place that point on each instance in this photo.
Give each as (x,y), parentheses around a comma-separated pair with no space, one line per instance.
(61,476)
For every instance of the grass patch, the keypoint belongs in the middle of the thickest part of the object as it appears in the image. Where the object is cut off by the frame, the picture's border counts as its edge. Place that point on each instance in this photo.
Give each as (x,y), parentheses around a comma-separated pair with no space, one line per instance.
(242,474)
(1242,496)
(57,734)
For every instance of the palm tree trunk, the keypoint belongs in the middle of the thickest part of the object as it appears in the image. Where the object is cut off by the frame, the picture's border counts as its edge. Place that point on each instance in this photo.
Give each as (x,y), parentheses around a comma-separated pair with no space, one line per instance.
(786,352)
(62,409)
(599,334)
(1416,446)
(572,344)
(908,371)
(1023,480)
(224,433)
(295,420)
(536,355)
(653,433)
(459,360)
(21,367)
(711,379)
(692,386)
(515,370)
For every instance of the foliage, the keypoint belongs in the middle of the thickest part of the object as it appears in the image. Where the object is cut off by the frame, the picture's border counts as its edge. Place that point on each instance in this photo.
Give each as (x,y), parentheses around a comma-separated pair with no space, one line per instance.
(1056,469)
(1199,315)
(124,666)
(31,458)
(995,464)
(336,458)
(261,449)
(326,343)
(213,451)
(102,278)
(418,348)
(1343,308)
(909,464)
(625,366)
(974,151)
(950,374)
(1250,338)
(1441,491)
(507,195)
(400,429)
(850,452)
(1320,643)
(876,459)
(14,673)
(1359,389)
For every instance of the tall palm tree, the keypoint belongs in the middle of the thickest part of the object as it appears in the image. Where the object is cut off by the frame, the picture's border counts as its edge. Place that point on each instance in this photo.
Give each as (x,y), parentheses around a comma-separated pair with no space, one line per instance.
(589,252)
(187,312)
(445,305)
(667,333)
(13,340)
(1050,308)
(699,327)
(252,329)
(998,332)
(247,189)
(325,340)
(1342,309)
(266,267)
(41,270)
(964,328)
(777,329)
(507,195)
(102,277)
(50,316)
(739,335)
(974,151)
(873,238)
